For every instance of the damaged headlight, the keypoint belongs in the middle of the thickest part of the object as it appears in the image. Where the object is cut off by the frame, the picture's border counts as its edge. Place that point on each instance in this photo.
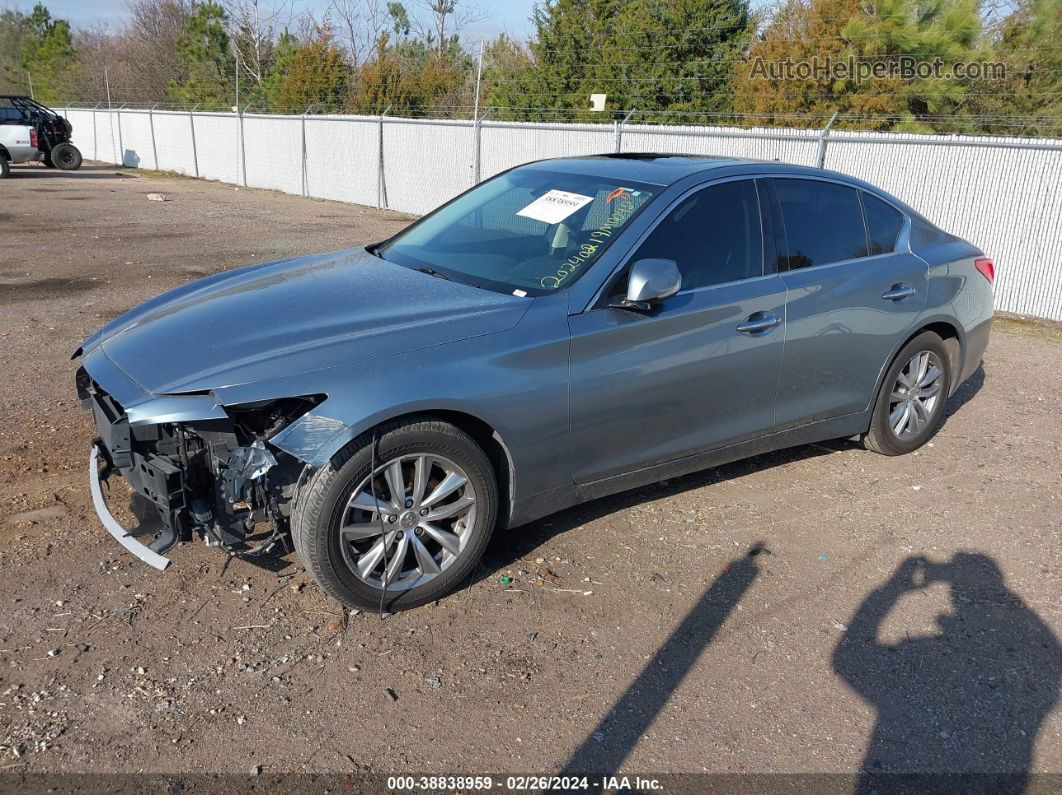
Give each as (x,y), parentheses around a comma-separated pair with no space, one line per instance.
(266,418)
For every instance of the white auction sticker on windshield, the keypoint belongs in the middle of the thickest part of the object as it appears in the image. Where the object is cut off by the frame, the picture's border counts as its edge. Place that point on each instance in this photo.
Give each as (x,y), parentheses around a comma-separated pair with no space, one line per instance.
(555,206)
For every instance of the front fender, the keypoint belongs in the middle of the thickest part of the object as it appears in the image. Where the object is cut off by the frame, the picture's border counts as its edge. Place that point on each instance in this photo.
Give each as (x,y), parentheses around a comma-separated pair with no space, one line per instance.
(515,382)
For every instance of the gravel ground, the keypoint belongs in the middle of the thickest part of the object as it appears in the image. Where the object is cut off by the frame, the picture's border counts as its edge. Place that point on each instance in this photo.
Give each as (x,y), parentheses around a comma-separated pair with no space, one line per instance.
(822,609)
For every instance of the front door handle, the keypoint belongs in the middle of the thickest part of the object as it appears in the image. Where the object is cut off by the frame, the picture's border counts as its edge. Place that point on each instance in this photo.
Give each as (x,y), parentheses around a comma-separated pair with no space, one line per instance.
(759,323)
(898,292)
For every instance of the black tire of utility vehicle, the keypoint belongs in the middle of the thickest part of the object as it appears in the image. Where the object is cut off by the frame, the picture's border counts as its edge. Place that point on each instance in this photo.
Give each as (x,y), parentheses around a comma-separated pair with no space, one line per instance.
(48,161)
(321,505)
(65,157)
(880,438)
(5,169)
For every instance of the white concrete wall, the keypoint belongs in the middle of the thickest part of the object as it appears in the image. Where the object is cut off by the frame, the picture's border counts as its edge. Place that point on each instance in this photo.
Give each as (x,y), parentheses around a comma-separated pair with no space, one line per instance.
(1008,201)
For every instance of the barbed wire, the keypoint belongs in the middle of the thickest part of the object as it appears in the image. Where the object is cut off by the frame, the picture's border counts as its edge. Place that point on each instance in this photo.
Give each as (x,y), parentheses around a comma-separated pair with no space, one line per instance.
(462,112)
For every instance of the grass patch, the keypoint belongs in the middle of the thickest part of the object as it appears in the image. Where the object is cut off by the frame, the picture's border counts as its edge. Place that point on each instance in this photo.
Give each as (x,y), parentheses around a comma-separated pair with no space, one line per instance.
(1030,327)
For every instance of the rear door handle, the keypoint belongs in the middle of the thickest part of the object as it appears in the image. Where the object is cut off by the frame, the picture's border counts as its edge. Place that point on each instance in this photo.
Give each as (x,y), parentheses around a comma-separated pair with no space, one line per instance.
(759,322)
(898,292)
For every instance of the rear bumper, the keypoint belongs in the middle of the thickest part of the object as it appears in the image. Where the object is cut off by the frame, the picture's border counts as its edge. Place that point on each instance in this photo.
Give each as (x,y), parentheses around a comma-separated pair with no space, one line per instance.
(142,551)
(26,156)
(974,349)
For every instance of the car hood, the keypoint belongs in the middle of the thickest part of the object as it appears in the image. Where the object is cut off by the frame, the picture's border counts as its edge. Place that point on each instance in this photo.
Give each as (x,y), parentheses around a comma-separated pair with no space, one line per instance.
(295,316)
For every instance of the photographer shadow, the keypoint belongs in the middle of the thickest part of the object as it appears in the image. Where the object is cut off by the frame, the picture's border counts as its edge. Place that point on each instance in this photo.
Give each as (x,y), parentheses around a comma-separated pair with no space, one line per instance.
(960,709)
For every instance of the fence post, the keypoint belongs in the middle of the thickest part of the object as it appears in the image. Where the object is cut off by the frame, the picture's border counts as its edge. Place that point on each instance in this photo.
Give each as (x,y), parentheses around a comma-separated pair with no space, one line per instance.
(305,186)
(821,161)
(195,152)
(477,156)
(618,130)
(243,152)
(151,123)
(476,126)
(381,184)
(95,148)
(121,144)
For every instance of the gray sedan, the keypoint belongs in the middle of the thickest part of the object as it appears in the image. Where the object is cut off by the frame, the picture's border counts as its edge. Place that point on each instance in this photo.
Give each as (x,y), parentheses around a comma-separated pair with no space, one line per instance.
(566,330)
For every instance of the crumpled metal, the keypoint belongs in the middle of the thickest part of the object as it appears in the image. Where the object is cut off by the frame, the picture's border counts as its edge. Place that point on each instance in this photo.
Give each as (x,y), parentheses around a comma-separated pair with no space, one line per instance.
(246,464)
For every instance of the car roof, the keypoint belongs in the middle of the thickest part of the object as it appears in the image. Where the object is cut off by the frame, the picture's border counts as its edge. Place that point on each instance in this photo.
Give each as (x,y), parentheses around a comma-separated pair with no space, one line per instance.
(658,168)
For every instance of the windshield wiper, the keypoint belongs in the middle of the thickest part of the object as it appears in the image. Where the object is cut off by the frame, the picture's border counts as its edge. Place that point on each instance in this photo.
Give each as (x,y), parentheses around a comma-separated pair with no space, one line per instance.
(432,272)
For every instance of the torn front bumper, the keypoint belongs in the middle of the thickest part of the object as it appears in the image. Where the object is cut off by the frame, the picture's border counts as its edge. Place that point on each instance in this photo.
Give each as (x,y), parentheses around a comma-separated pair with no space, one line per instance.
(124,537)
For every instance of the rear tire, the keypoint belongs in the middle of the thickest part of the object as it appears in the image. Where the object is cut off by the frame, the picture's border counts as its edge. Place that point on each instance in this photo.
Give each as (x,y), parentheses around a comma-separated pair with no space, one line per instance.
(65,156)
(5,169)
(335,527)
(910,405)
(48,161)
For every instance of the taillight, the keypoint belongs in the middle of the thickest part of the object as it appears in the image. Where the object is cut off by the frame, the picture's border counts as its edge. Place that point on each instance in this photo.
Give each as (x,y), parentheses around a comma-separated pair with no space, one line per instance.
(33,137)
(986,268)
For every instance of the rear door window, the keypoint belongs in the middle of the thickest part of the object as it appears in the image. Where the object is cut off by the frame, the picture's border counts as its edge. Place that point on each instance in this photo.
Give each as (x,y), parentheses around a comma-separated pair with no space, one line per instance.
(883,224)
(823,222)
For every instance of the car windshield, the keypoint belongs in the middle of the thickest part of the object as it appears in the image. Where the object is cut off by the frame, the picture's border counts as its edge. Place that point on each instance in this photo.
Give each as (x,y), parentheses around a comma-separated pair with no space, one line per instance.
(528,232)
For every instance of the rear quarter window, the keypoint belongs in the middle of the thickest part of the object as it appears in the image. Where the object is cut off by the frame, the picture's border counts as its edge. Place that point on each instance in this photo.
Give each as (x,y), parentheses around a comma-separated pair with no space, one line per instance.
(883,224)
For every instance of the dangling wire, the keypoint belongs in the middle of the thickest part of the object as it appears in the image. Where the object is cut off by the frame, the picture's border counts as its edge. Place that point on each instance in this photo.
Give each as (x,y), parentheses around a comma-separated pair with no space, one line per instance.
(379,517)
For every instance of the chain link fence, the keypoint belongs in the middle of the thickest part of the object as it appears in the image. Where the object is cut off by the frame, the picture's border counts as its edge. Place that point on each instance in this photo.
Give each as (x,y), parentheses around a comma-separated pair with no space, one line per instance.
(1003,194)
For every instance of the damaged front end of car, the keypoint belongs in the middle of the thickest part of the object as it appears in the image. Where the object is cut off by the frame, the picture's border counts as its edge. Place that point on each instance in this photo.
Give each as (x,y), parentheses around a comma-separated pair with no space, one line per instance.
(195,467)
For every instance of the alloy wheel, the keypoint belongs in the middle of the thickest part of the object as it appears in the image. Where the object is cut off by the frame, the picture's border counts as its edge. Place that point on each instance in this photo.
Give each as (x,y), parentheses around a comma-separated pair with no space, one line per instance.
(407,522)
(916,396)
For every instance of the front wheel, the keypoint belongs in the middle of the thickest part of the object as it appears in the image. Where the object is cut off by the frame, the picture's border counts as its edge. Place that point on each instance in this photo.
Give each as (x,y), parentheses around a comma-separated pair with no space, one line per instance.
(910,404)
(405,531)
(65,156)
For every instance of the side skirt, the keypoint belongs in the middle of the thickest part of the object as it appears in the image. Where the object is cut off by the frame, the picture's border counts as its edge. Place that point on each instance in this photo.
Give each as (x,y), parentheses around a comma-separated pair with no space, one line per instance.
(539,505)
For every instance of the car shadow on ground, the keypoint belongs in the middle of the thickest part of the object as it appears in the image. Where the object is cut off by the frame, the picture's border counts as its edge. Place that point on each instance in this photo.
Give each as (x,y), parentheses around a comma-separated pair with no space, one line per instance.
(83,173)
(509,546)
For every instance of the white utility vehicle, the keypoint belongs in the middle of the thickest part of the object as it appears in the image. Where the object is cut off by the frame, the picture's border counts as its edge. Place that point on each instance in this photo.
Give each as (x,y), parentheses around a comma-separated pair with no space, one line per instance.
(31,132)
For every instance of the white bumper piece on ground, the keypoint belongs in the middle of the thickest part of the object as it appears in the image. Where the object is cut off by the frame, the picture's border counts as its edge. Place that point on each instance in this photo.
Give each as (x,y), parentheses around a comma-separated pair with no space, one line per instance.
(141,551)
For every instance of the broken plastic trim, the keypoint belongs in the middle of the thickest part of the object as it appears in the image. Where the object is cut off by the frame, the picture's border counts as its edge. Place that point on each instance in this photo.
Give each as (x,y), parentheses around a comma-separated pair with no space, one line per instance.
(146,554)
(246,464)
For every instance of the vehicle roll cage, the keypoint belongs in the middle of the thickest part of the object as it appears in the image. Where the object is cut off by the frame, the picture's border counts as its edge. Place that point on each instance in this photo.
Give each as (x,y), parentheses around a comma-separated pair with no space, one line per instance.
(25,104)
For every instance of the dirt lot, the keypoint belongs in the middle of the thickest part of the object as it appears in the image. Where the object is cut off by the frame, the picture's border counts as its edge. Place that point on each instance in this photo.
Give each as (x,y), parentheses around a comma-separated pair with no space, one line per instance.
(638,632)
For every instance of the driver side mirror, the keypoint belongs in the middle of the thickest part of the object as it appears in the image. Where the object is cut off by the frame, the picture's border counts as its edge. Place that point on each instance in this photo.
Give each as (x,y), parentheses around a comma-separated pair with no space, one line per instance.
(650,281)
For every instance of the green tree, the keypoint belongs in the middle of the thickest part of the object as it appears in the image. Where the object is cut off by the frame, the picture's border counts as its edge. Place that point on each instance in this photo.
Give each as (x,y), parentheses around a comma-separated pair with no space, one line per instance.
(412,74)
(47,54)
(671,55)
(14,29)
(314,73)
(400,23)
(1027,100)
(284,51)
(566,64)
(864,33)
(208,64)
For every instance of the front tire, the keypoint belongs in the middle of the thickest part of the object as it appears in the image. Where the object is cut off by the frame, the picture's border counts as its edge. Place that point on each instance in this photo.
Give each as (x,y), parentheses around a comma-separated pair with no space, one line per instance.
(410,530)
(65,157)
(910,405)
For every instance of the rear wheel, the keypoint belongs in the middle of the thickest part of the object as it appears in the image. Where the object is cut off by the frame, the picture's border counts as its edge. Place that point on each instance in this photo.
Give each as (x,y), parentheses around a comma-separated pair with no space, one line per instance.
(48,160)
(409,529)
(65,156)
(5,169)
(910,405)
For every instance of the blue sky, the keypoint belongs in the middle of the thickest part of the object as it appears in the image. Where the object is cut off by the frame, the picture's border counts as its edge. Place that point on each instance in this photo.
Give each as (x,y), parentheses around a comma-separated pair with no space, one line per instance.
(509,16)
